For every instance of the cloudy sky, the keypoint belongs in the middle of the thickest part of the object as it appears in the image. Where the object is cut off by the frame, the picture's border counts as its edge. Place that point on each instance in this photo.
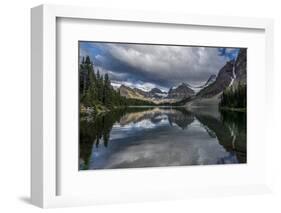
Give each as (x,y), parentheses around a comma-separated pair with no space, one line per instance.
(148,66)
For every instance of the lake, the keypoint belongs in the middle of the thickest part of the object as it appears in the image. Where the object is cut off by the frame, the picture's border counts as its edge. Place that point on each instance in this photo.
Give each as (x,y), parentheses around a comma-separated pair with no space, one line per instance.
(138,137)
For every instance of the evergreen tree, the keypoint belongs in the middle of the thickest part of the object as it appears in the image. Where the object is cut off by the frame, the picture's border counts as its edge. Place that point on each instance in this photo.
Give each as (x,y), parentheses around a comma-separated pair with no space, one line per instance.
(107,92)
(96,90)
(234,97)
(88,60)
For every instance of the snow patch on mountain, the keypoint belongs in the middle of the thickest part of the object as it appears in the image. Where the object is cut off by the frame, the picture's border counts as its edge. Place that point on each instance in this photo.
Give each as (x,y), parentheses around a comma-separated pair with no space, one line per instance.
(163,95)
(233,76)
(210,80)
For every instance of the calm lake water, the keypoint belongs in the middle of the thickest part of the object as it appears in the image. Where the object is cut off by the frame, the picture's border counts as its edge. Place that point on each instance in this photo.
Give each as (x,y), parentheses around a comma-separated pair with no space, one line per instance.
(153,137)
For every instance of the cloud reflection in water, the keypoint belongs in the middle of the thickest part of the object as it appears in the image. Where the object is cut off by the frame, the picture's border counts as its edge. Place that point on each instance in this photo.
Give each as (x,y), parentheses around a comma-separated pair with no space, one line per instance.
(163,137)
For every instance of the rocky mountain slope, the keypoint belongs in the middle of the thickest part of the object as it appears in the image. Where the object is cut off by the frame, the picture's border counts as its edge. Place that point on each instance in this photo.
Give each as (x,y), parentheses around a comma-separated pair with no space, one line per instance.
(222,81)
(233,73)
(230,75)
(241,67)
(156,95)
(181,92)
(129,92)
(210,80)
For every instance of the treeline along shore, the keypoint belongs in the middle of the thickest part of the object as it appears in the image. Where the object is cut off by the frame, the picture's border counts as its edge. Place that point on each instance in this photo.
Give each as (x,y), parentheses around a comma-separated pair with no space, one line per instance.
(234,98)
(97,95)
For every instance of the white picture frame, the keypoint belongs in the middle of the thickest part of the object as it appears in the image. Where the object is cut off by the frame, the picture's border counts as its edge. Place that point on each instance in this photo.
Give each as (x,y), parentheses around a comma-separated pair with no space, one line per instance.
(44,155)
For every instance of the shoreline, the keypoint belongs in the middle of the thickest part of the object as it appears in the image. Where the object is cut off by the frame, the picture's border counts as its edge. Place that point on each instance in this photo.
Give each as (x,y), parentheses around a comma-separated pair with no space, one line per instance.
(233,109)
(104,110)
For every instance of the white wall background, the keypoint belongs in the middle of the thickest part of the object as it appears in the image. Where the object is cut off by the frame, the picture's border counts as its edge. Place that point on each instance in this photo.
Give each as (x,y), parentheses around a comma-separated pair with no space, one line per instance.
(15,104)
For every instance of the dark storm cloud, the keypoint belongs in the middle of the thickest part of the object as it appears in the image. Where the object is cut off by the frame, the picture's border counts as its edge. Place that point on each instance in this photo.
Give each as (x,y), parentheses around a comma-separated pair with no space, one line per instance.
(158,65)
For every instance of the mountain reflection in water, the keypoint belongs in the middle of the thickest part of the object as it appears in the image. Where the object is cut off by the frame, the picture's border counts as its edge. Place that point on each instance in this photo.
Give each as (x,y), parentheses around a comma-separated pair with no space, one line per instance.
(154,137)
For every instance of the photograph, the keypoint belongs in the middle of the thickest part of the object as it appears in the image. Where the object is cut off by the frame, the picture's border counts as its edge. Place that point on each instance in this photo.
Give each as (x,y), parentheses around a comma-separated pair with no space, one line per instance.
(159,105)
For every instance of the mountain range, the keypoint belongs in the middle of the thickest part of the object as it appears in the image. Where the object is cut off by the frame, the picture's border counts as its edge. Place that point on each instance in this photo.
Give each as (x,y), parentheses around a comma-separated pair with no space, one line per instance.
(232,73)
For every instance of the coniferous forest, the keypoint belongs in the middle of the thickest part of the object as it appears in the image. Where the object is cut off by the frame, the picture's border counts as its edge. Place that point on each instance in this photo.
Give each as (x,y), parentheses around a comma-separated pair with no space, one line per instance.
(96,90)
(234,97)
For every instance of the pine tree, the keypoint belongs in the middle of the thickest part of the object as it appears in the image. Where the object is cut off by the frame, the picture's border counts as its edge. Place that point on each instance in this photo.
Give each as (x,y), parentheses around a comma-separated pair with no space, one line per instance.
(88,60)
(234,97)
(96,90)
(107,91)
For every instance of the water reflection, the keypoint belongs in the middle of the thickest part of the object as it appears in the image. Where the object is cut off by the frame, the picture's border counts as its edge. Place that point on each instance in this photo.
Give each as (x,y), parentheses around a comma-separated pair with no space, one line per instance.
(149,137)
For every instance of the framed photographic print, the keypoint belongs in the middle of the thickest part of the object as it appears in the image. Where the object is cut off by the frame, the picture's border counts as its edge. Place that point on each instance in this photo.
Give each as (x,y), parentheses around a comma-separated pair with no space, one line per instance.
(148,105)
(151,105)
